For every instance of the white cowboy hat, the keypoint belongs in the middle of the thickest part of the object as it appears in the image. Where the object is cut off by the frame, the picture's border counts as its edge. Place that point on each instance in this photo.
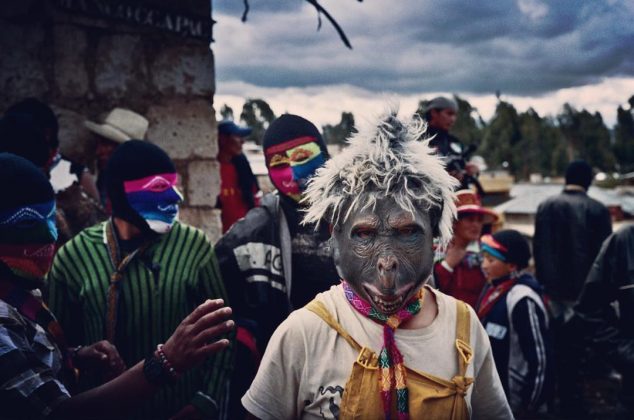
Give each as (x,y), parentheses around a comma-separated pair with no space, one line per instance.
(120,126)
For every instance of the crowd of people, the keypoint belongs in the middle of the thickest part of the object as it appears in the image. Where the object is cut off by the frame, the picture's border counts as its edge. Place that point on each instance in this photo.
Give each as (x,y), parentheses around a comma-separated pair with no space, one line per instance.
(372,284)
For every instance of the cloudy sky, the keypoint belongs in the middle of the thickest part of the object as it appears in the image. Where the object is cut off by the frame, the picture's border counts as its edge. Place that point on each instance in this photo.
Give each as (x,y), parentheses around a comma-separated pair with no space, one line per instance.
(535,52)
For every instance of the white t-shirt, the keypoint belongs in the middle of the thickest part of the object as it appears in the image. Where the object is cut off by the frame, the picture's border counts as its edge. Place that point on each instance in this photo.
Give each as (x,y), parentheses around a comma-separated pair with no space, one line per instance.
(307,364)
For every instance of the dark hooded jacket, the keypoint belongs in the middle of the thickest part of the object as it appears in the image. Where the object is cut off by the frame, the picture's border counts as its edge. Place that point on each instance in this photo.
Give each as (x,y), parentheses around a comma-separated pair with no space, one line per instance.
(569,230)
(611,280)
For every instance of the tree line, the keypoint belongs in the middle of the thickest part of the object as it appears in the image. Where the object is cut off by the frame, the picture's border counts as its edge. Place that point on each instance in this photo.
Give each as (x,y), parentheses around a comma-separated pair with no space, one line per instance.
(521,142)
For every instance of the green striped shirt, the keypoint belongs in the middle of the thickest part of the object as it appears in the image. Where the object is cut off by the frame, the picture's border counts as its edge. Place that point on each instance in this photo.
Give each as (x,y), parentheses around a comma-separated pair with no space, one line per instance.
(160,288)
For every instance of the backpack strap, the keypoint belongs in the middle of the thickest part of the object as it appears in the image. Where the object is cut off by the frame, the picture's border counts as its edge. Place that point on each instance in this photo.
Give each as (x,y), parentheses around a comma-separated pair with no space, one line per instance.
(321,311)
(463,336)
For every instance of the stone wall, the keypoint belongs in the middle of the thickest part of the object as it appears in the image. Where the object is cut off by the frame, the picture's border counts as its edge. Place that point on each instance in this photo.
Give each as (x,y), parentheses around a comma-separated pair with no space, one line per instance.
(85,66)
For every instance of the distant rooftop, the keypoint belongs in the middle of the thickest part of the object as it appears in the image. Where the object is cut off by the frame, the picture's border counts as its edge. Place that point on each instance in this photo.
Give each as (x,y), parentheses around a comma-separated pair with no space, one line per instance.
(525,198)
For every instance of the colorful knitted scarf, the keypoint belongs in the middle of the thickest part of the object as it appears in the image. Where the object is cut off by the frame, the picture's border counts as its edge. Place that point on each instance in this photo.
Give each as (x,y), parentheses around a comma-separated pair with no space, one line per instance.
(392,370)
(493,293)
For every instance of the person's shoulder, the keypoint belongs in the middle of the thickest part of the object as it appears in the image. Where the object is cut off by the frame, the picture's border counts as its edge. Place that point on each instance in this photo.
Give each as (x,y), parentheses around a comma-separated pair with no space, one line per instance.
(528,288)
(625,235)
(256,224)
(309,324)
(553,200)
(93,235)
(192,234)
(451,304)
(479,341)
(8,313)
(597,206)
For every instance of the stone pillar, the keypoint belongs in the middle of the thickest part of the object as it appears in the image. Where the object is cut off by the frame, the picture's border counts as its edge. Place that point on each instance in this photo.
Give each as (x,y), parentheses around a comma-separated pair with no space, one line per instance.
(84,64)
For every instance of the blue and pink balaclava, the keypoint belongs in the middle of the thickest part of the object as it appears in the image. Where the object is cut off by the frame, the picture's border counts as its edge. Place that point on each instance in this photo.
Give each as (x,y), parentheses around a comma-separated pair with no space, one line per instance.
(27,220)
(294,150)
(141,181)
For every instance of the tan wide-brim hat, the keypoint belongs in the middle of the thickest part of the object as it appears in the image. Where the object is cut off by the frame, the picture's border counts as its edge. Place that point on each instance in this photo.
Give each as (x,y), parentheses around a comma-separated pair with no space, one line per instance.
(120,126)
(468,202)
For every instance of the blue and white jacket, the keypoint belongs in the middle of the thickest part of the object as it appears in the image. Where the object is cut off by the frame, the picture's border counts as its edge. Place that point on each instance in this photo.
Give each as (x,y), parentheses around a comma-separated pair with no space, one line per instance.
(517,326)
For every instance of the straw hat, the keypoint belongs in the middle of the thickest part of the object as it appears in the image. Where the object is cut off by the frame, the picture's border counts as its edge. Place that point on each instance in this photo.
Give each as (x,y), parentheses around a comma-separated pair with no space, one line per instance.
(467,202)
(120,126)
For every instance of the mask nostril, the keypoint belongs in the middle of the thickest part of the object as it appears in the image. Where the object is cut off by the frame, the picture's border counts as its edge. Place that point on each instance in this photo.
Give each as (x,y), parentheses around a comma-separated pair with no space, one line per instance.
(388,263)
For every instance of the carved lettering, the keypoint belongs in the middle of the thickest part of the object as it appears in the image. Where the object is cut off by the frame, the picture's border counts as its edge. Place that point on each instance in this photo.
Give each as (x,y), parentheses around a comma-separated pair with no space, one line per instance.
(180,23)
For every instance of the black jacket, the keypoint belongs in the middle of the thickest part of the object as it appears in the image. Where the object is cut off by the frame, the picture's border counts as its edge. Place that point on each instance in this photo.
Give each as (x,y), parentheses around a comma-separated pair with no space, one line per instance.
(444,143)
(250,260)
(611,327)
(569,230)
(517,327)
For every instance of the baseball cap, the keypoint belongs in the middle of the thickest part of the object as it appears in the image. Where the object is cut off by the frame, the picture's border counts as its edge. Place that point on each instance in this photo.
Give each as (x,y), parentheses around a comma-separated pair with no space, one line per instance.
(229,127)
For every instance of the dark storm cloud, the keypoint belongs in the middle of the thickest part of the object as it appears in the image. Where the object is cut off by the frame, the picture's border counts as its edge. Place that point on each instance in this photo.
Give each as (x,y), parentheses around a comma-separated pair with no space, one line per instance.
(519,47)
(236,7)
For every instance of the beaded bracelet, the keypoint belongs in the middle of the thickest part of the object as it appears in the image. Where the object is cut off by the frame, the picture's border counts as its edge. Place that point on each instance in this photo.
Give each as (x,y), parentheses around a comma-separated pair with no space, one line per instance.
(166,363)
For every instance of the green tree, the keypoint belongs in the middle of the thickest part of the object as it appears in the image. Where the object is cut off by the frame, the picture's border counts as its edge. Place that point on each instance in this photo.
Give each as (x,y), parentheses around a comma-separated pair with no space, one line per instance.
(469,124)
(586,137)
(257,114)
(624,137)
(540,148)
(500,138)
(338,133)
(227,112)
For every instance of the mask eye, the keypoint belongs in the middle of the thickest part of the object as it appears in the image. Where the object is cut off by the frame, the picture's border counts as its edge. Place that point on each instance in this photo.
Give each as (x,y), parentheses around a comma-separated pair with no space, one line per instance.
(408,231)
(157,184)
(363,233)
(300,154)
(279,160)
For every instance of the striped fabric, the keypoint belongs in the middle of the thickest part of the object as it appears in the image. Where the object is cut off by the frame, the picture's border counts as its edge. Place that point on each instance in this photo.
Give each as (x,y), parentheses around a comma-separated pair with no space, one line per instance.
(160,288)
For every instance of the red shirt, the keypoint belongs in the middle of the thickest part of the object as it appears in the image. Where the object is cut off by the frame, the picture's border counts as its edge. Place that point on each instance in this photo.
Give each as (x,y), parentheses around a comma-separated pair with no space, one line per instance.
(465,282)
(231,201)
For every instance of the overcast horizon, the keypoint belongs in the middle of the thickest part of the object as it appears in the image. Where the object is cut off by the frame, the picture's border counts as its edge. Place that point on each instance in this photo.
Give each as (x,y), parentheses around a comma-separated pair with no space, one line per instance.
(535,53)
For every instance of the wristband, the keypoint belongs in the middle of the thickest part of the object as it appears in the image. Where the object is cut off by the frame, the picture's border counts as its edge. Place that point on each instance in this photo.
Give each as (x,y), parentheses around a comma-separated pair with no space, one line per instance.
(166,363)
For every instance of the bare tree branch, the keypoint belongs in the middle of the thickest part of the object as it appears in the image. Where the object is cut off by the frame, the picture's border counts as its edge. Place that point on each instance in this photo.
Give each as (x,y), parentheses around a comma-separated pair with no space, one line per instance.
(320,11)
(334,23)
(246,10)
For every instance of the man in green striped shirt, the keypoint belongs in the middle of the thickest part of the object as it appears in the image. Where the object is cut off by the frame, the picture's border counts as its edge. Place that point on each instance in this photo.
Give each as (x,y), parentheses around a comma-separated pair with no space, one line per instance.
(134,278)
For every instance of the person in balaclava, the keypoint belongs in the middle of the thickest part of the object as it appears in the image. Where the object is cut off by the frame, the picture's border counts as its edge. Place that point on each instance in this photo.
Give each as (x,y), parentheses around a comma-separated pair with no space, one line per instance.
(133,278)
(270,263)
(381,344)
(38,369)
(29,129)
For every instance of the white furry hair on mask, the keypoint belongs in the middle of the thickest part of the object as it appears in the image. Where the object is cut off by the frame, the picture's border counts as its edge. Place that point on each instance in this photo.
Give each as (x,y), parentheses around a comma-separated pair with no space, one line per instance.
(388,158)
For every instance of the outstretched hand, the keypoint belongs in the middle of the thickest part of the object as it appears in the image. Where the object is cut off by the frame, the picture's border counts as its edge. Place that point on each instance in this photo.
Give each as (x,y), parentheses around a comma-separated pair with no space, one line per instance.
(101,356)
(196,338)
(454,254)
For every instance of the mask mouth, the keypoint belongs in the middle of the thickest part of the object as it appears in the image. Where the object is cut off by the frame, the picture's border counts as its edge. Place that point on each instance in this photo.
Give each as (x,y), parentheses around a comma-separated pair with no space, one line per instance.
(388,303)
(159,226)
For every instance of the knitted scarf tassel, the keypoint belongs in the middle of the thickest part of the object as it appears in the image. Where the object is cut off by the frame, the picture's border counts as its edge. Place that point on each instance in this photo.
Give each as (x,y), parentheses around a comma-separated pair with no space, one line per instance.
(392,370)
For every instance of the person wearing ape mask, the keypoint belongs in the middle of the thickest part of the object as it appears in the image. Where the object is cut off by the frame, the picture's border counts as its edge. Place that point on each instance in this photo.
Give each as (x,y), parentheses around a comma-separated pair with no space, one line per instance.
(381,344)
(133,278)
(37,367)
(270,263)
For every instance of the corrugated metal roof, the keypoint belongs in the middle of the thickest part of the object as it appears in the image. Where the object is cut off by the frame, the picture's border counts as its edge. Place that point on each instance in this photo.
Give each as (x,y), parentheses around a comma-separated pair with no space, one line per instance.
(525,198)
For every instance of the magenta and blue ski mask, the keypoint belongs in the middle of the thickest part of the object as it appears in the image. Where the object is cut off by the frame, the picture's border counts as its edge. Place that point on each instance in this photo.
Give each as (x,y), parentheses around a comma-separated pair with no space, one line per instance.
(141,181)
(27,219)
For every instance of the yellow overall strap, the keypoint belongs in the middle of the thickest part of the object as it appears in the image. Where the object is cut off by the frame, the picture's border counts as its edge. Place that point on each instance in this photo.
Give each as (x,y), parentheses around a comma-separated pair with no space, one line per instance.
(321,311)
(463,337)
(465,354)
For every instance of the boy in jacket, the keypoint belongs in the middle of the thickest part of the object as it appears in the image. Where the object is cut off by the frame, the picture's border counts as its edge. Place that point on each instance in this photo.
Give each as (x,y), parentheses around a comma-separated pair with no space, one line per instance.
(513,313)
